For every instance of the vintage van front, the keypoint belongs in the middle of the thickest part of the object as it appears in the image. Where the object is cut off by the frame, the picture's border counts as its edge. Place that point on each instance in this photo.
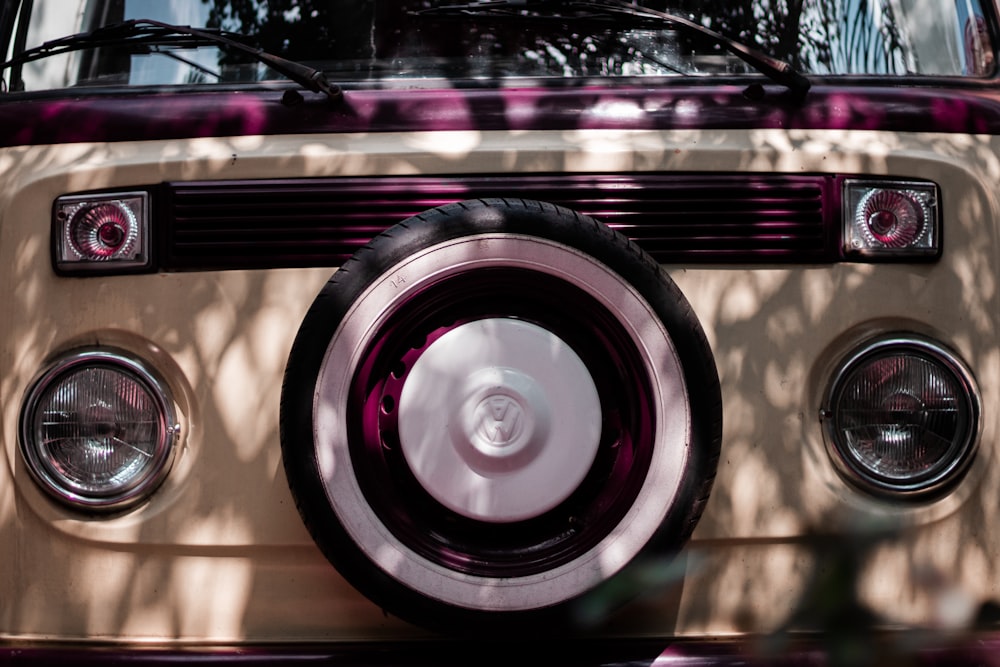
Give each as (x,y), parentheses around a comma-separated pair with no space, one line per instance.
(336,327)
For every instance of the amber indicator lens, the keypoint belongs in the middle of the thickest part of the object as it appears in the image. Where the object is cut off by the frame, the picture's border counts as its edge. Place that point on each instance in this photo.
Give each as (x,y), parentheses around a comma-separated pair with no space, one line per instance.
(104,231)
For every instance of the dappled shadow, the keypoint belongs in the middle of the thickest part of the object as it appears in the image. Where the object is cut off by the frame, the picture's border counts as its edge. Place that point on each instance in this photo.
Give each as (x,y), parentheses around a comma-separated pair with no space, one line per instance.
(775,335)
(220,553)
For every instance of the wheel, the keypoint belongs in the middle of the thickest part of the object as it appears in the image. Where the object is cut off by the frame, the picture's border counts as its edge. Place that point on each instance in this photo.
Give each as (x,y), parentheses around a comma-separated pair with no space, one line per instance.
(492,409)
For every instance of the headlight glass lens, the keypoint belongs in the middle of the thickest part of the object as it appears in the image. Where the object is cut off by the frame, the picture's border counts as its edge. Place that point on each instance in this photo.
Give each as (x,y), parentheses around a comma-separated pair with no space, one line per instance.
(902,417)
(97,430)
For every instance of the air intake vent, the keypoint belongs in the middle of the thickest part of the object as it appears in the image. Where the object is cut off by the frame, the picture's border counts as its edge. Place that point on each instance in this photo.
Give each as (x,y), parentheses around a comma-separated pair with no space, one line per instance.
(676,218)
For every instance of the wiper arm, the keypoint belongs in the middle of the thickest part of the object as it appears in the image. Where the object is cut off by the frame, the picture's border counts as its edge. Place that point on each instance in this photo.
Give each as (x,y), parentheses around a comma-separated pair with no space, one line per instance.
(157,33)
(773,68)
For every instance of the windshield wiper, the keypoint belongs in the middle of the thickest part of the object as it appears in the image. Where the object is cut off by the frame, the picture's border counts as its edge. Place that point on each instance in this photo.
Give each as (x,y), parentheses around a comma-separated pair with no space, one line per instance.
(773,68)
(147,32)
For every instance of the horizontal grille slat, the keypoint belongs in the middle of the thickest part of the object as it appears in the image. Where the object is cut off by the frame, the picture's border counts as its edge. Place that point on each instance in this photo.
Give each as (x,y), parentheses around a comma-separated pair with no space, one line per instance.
(677,218)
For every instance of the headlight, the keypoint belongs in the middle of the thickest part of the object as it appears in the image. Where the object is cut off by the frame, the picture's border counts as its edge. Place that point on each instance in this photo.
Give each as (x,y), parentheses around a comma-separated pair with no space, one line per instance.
(98,430)
(901,417)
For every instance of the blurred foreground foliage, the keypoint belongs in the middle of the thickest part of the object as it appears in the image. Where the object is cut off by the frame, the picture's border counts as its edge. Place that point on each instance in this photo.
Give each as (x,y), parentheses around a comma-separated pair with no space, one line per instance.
(832,625)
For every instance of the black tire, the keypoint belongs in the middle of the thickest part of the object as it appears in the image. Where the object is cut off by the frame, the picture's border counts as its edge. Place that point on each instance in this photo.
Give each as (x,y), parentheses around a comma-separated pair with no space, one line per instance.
(456,293)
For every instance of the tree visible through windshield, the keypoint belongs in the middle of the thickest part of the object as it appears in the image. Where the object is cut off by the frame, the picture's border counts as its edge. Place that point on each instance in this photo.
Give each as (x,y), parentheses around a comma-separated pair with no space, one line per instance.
(363,40)
(817,36)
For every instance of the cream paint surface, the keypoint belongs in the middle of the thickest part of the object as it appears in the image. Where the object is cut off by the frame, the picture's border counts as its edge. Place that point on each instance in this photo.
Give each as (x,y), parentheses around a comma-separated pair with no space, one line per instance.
(220,554)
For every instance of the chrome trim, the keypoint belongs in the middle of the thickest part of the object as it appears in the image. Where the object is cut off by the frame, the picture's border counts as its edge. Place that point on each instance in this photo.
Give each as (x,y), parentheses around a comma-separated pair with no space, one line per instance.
(168,427)
(942,480)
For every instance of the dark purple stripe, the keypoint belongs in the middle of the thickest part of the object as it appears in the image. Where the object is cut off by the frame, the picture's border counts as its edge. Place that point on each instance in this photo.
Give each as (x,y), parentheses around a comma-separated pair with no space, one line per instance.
(902,648)
(510,653)
(201,114)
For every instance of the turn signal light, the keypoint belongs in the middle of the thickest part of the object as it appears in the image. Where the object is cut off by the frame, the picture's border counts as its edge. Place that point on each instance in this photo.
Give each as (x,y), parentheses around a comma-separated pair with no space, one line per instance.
(885,219)
(95,233)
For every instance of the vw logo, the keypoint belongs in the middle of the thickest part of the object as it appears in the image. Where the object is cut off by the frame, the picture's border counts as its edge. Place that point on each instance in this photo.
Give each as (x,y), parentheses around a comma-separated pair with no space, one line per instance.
(500,420)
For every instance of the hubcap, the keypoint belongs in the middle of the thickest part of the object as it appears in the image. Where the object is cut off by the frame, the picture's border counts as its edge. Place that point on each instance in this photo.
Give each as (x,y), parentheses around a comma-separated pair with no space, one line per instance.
(499,420)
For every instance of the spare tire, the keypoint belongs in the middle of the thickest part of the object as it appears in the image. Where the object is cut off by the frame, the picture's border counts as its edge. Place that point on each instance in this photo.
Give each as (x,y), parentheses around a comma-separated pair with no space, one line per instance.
(493,409)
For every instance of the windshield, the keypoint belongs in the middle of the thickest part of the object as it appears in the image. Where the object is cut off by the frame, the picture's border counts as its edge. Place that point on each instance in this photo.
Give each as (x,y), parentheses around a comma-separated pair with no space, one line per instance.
(360,41)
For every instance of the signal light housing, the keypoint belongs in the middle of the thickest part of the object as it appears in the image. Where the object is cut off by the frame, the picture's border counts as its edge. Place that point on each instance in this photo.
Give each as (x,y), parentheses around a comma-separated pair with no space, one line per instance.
(890,219)
(101,233)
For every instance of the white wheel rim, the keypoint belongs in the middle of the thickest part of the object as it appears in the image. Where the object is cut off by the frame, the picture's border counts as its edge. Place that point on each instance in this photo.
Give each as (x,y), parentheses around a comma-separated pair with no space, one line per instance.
(431,579)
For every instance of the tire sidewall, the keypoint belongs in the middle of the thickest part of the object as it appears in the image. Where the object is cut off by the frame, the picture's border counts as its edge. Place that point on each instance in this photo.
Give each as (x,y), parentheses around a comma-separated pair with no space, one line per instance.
(379,259)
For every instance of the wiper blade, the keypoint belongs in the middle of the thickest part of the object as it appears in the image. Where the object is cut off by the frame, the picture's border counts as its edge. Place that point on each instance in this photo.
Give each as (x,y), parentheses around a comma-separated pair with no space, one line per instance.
(777,70)
(157,33)
(541,9)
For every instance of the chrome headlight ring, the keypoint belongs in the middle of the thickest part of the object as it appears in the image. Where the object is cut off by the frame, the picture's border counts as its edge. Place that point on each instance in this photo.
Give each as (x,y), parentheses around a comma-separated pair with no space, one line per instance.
(901,417)
(98,429)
